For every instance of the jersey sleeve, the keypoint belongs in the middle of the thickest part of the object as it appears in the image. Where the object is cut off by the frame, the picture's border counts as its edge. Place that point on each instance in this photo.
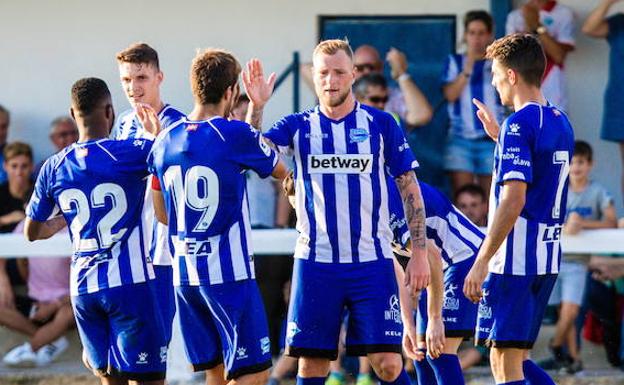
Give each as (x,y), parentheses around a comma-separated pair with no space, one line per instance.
(281,135)
(451,70)
(515,144)
(254,153)
(397,152)
(140,150)
(41,204)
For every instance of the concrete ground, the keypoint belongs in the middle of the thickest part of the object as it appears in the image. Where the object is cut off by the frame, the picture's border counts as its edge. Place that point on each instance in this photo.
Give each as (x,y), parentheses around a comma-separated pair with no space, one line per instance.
(68,369)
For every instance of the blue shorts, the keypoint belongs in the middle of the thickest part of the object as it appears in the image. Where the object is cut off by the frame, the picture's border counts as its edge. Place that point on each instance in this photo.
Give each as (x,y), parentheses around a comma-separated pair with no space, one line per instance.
(470,155)
(319,294)
(511,310)
(226,324)
(458,313)
(121,332)
(165,296)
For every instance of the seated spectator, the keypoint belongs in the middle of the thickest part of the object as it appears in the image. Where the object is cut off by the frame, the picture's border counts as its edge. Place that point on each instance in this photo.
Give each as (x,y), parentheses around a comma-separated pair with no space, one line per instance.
(469,154)
(589,206)
(63,132)
(611,28)
(44,315)
(471,200)
(14,194)
(407,101)
(5,120)
(553,24)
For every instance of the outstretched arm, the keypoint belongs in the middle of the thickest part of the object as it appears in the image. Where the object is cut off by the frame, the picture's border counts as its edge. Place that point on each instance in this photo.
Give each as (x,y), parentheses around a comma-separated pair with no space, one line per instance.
(417,272)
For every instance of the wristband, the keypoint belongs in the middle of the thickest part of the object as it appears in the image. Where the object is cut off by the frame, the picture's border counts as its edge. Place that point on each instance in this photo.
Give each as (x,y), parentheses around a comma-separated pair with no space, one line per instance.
(403,76)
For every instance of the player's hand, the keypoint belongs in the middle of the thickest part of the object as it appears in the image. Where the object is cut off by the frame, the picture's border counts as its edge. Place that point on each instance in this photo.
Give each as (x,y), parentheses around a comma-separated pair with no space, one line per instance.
(7,299)
(410,344)
(257,89)
(474,281)
(487,118)
(397,61)
(148,118)
(417,273)
(530,12)
(434,336)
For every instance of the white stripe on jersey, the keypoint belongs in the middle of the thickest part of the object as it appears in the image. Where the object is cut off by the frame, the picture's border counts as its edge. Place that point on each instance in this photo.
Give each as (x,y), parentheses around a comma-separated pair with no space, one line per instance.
(342,190)
(214,261)
(366,245)
(92,280)
(247,227)
(238,258)
(541,251)
(383,228)
(302,249)
(323,247)
(519,246)
(554,266)
(114,275)
(456,249)
(136,257)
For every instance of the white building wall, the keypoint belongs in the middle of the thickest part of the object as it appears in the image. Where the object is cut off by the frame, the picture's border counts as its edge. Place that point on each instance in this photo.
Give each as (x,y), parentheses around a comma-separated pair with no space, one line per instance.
(46,46)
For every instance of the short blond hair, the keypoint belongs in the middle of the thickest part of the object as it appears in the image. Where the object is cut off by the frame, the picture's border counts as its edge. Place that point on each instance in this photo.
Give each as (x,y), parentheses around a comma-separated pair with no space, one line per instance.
(332,46)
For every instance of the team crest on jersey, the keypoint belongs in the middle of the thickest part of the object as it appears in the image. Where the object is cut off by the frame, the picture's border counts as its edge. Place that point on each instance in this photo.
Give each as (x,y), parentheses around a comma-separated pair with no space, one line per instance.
(191,127)
(514,129)
(357,135)
(241,353)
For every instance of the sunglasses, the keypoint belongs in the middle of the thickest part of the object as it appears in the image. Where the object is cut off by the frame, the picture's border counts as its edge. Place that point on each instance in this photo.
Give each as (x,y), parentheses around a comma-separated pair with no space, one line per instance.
(365,67)
(378,99)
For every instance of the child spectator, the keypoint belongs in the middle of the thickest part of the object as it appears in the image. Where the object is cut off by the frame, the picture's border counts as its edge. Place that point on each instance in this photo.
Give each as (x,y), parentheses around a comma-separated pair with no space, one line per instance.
(44,315)
(589,206)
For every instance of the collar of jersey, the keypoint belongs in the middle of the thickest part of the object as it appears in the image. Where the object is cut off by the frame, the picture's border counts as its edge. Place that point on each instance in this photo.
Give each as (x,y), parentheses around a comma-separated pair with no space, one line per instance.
(533,103)
(88,142)
(318,111)
(187,120)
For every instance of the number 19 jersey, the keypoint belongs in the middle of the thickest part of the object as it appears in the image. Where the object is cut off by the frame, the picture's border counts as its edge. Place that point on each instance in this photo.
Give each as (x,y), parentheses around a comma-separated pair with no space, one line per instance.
(534,146)
(200,168)
(99,187)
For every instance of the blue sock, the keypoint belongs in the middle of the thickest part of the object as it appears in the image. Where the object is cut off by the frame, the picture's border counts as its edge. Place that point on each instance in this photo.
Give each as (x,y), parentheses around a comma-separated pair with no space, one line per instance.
(311,381)
(521,382)
(402,379)
(447,369)
(535,375)
(424,373)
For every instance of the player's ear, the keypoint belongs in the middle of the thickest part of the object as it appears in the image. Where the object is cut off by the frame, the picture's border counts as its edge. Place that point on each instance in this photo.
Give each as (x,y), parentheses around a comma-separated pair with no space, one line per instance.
(512,76)
(71,113)
(160,76)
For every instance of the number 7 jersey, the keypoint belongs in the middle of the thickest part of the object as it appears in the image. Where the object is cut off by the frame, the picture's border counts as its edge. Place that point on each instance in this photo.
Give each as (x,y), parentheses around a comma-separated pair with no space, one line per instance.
(200,167)
(535,146)
(99,186)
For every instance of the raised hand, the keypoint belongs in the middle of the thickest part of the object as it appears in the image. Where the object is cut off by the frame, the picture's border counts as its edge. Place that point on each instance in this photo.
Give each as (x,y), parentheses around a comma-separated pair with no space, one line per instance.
(148,118)
(487,118)
(256,87)
(397,61)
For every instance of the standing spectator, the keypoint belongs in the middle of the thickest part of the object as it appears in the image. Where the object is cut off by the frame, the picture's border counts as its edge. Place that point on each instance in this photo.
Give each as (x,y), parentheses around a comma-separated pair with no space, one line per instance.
(471,200)
(407,101)
(553,23)
(589,206)
(5,120)
(470,152)
(44,315)
(611,28)
(63,132)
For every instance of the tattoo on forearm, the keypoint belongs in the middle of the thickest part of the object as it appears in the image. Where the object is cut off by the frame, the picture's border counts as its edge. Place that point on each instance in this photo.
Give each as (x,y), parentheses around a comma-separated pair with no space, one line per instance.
(413,207)
(254,117)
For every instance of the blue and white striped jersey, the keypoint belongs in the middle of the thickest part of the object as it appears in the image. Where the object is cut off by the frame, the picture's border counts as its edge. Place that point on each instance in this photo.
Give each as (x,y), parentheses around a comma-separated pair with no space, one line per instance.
(535,146)
(462,112)
(155,233)
(200,166)
(455,235)
(99,186)
(340,181)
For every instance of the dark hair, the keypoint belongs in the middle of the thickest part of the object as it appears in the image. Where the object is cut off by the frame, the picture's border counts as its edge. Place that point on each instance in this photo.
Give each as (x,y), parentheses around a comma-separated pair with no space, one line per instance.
(470,189)
(242,98)
(3,110)
(479,15)
(212,73)
(139,53)
(16,149)
(360,87)
(87,94)
(582,148)
(522,53)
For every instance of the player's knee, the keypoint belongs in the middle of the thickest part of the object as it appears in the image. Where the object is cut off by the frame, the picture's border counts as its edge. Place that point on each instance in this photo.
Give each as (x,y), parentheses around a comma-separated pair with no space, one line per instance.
(387,366)
(313,367)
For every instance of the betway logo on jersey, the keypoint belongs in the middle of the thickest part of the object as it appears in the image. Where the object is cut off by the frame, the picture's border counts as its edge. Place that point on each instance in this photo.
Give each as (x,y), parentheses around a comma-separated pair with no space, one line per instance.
(340,163)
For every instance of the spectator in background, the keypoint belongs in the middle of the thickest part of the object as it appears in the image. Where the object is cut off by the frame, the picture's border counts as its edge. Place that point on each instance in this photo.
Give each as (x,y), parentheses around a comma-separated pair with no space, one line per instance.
(5,120)
(14,194)
(63,132)
(470,152)
(372,90)
(471,200)
(553,23)
(44,315)
(407,101)
(589,206)
(611,28)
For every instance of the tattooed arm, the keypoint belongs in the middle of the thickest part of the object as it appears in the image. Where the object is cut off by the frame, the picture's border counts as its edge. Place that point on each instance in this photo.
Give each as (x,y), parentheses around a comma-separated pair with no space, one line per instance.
(417,273)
